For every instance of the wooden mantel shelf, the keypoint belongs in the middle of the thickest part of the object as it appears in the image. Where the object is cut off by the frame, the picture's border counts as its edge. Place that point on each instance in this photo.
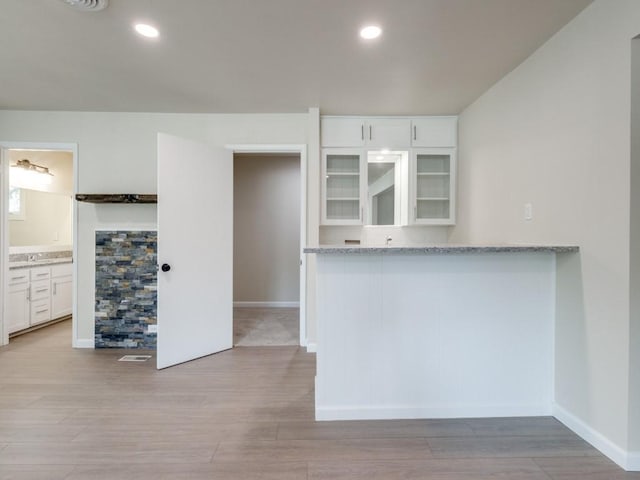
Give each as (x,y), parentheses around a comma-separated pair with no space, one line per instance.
(117,197)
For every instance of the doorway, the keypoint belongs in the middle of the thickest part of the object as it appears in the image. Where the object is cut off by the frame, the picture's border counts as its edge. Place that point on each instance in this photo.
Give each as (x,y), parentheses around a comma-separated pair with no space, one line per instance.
(266,244)
(38,242)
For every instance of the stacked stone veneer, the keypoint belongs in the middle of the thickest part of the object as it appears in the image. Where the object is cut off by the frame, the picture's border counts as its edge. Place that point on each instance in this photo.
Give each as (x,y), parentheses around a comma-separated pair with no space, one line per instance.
(126,289)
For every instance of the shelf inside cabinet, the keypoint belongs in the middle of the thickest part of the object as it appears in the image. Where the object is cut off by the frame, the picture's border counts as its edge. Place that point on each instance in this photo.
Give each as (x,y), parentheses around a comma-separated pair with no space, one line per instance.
(433,174)
(432,199)
(343,199)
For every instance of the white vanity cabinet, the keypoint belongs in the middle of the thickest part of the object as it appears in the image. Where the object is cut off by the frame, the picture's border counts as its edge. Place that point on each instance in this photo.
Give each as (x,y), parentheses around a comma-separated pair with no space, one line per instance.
(61,292)
(18,300)
(40,295)
(343,177)
(371,132)
(433,172)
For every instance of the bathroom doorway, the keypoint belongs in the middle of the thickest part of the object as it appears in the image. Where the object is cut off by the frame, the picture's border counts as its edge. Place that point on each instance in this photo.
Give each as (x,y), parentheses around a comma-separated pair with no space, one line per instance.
(39,221)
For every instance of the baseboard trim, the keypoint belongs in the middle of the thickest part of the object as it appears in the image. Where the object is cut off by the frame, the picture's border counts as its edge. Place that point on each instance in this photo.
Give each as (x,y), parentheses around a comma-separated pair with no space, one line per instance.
(84,343)
(267,304)
(633,462)
(408,412)
(312,347)
(630,461)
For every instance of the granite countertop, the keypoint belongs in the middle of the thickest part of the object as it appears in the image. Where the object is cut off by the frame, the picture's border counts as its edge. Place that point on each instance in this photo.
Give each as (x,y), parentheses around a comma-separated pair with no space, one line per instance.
(39,263)
(444,248)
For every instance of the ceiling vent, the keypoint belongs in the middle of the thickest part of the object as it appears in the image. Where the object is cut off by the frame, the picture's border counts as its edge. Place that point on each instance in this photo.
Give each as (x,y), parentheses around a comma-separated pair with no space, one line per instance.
(88,5)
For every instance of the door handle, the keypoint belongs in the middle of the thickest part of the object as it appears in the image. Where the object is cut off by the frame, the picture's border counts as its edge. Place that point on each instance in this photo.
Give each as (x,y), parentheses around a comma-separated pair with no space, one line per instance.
(165,267)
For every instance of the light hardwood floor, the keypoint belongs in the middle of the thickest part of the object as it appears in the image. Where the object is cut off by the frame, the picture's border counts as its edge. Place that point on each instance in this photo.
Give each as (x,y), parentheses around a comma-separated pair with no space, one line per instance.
(242,414)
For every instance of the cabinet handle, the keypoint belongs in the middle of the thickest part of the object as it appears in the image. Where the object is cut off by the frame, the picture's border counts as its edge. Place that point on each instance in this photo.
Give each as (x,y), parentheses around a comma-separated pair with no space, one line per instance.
(362,214)
(362,131)
(414,133)
(415,213)
(13,279)
(41,290)
(43,274)
(369,132)
(41,311)
(28,294)
(54,288)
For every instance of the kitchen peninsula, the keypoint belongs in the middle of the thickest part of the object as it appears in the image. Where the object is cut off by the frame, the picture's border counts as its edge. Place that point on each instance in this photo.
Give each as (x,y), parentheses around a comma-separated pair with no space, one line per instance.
(435,331)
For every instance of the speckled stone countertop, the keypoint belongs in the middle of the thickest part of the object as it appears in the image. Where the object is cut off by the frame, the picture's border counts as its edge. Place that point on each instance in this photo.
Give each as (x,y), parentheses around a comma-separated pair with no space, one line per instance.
(39,259)
(452,248)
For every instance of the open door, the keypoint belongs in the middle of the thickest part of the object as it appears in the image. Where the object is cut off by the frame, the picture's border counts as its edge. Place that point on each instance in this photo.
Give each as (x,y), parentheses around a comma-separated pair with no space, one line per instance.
(195,250)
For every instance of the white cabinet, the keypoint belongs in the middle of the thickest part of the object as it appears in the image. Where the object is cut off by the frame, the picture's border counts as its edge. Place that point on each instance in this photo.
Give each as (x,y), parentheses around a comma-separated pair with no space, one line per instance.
(38,294)
(433,186)
(373,132)
(389,133)
(61,291)
(343,177)
(424,196)
(18,300)
(434,132)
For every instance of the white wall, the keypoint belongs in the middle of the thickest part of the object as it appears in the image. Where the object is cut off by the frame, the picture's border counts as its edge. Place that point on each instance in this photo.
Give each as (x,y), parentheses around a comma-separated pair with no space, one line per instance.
(47,220)
(555,132)
(634,251)
(266,228)
(117,154)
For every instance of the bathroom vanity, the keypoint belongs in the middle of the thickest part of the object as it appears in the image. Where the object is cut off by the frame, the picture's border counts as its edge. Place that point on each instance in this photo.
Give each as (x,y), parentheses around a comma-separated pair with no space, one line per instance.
(435,331)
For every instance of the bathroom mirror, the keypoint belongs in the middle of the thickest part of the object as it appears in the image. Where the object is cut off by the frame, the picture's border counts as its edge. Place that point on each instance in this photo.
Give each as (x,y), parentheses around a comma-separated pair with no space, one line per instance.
(386,187)
(39,218)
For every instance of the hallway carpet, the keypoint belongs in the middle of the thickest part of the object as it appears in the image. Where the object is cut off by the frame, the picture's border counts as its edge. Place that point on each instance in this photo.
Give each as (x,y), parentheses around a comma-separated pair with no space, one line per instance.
(260,327)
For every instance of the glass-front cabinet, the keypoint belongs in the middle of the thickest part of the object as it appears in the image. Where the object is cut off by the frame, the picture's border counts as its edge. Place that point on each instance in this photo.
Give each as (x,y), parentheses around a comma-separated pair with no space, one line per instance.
(395,171)
(342,186)
(433,186)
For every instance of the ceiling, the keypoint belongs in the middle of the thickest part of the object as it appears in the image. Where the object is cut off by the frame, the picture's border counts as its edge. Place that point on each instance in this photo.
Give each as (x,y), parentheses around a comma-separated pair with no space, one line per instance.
(237,56)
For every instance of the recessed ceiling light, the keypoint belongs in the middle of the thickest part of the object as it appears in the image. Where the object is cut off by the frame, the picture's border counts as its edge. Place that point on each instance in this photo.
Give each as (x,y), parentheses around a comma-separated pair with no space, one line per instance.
(146,30)
(370,32)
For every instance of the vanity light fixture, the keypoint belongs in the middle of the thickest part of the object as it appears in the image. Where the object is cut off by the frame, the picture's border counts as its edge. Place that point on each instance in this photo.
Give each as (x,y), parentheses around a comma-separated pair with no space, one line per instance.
(370,32)
(146,30)
(25,171)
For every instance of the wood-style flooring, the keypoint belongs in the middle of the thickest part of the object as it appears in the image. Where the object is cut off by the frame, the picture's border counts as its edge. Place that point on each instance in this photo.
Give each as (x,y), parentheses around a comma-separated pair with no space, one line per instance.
(242,414)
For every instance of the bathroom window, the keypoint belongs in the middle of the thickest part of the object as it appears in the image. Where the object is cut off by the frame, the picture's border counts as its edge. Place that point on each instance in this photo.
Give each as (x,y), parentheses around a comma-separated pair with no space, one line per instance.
(16,204)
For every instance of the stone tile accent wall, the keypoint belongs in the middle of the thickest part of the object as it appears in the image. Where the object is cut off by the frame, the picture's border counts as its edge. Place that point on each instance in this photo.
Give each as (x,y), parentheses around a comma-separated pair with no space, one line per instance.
(126,288)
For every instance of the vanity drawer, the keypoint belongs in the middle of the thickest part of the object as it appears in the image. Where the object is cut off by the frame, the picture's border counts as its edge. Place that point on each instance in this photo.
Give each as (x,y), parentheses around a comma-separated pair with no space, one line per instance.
(40,273)
(18,276)
(40,290)
(40,311)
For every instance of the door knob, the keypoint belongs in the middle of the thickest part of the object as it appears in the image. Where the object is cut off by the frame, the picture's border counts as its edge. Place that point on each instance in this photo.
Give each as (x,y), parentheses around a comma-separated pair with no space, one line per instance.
(165,267)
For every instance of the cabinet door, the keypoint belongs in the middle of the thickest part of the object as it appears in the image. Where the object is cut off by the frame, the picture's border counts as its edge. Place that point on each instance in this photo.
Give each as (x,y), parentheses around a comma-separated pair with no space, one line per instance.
(391,133)
(343,181)
(433,186)
(434,132)
(61,297)
(342,132)
(18,303)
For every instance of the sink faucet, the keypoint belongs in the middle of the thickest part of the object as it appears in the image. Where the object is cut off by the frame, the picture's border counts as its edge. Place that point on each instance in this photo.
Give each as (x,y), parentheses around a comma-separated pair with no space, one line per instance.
(389,241)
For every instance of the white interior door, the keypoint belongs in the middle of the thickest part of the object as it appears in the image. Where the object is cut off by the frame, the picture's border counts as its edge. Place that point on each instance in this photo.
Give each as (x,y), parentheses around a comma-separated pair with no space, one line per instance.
(195,240)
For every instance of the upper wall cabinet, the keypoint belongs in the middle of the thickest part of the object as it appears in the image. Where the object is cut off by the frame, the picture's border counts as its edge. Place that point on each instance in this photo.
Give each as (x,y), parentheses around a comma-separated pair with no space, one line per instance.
(379,132)
(388,170)
(388,132)
(434,132)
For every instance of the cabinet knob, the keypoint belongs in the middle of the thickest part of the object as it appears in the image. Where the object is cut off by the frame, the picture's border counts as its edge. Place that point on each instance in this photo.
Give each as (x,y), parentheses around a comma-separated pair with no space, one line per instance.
(165,267)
